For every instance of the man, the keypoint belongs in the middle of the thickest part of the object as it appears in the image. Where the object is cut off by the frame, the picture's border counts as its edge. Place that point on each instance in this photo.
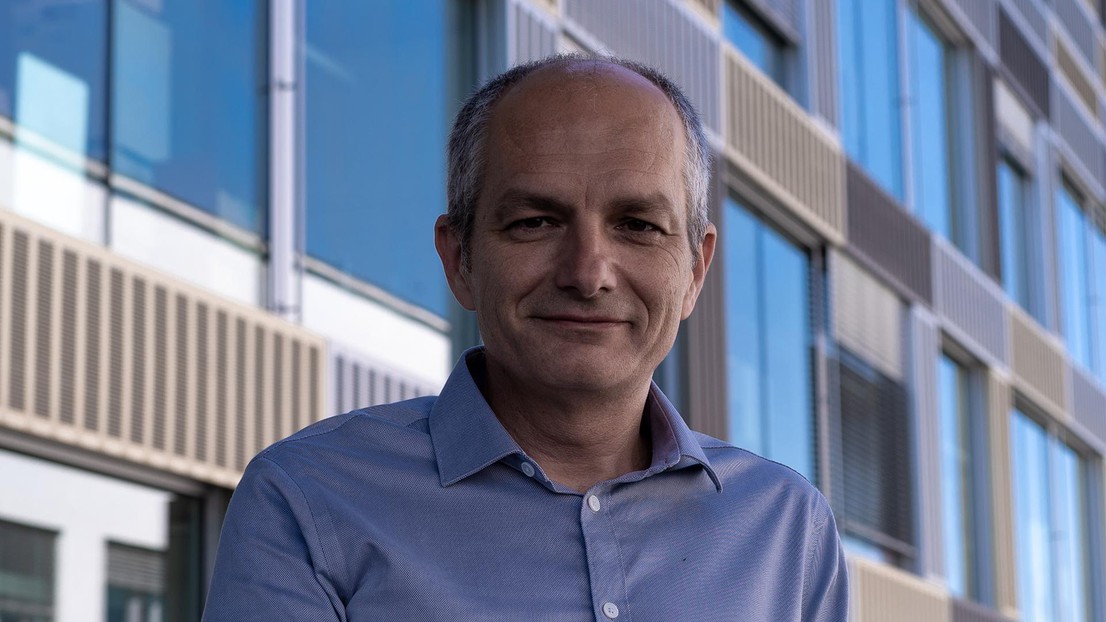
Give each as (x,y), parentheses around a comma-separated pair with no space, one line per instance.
(550,480)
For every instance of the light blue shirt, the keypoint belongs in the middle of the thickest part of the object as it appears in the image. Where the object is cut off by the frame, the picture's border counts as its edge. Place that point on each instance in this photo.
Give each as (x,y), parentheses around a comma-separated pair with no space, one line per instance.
(428,510)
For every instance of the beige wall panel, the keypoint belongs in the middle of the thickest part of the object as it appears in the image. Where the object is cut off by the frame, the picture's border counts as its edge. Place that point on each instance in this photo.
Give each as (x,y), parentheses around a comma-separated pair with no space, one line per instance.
(1038,363)
(773,141)
(867,317)
(1079,82)
(999,404)
(881,593)
(123,360)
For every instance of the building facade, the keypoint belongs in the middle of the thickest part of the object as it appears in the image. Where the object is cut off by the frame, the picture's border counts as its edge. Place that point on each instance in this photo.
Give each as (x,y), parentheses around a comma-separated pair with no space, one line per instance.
(216,228)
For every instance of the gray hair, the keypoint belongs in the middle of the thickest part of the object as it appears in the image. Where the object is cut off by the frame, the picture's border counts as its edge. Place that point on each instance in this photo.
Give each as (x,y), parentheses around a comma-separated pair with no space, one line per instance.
(467,140)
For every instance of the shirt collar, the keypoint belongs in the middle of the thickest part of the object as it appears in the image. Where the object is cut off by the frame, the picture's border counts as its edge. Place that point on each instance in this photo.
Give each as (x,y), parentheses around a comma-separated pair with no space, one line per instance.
(467,436)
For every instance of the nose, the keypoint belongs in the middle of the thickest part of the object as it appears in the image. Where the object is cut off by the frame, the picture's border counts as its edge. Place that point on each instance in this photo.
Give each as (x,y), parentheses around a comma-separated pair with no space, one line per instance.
(585,263)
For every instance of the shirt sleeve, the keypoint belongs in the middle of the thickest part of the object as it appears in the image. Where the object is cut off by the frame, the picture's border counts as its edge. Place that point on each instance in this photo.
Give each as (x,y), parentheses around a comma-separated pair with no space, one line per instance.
(270,564)
(826,585)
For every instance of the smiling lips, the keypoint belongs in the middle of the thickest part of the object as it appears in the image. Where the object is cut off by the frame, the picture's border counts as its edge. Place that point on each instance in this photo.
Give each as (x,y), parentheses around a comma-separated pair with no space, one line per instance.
(582,321)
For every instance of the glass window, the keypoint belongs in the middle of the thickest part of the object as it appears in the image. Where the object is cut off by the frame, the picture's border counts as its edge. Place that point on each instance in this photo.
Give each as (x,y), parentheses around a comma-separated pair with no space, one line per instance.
(1050,513)
(53,71)
(1014,233)
(755,41)
(379,101)
(188,113)
(1097,309)
(957,479)
(930,123)
(26,573)
(768,342)
(136,584)
(1074,277)
(869,73)
(872,456)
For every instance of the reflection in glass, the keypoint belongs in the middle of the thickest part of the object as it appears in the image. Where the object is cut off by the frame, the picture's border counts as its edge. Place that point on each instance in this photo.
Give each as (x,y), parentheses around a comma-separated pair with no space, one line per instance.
(379,101)
(768,342)
(53,71)
(1097,309)
(929,120)
(870,118)
(189,108)
(1032,527)
(755,41)
(1070,537)
(1074,285)
(1012,212)
(956,478)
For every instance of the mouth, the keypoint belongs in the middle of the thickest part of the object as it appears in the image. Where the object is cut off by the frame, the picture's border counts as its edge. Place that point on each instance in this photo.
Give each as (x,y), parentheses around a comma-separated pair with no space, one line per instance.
(581,321)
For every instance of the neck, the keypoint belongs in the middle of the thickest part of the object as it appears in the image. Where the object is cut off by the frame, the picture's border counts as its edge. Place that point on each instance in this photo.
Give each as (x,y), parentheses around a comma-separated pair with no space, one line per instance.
(578,438)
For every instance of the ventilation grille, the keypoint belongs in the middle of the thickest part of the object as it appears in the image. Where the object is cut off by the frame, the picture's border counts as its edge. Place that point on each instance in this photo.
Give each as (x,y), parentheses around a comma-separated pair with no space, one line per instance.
(775,142)
(659,34)
(880,592)
(534,37)
(892,241)
(1038,363)
(1079,22)
(867,317)
(999,404)
(101,353)
(1032,14)
(1022,61)
(981,14)
(1079,135)
(1089,404)
(969,300)
(823,43)
(360,381)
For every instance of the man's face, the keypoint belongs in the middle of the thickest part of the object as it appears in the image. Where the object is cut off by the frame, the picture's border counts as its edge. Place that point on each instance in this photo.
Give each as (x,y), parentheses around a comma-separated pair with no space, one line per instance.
(580,265)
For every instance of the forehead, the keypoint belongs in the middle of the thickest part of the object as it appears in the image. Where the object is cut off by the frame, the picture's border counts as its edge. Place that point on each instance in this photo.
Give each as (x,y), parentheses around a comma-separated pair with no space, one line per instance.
(607,103)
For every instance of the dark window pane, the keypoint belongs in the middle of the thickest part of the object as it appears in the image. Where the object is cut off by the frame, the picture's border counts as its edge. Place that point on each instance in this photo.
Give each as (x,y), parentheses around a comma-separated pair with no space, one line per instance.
(189,107)
(379,101)
(52,70)
(872,458)
(26,572)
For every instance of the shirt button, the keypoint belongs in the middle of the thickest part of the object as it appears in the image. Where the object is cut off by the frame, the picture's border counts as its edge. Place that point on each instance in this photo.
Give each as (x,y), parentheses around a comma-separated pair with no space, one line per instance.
(610,610)
(528,469)
(593,503)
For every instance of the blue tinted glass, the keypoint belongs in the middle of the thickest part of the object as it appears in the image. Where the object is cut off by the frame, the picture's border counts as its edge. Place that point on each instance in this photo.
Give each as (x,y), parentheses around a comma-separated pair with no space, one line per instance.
(189,112)
(764,49)
(1073,277)
(1032,524)
(378,108)
(955,471)
(786,330)
(743,328)
(53,58)
(870,116)
(1071,540)
(1098,299)
(768,342)
(1014,242)
(930,128)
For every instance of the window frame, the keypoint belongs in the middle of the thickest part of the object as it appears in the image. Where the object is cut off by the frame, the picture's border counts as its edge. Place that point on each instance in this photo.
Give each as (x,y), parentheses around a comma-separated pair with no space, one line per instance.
(784,48)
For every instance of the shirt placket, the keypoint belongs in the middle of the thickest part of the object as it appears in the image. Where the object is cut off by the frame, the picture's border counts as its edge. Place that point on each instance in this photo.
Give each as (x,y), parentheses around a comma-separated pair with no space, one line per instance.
(604,557)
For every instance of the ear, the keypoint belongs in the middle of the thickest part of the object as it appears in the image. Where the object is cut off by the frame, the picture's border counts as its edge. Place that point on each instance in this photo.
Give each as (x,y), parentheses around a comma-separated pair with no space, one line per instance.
(448,243)
(699,270)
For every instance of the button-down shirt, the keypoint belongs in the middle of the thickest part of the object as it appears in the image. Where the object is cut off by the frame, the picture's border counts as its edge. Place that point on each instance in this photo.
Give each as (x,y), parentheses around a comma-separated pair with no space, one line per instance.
(429,510)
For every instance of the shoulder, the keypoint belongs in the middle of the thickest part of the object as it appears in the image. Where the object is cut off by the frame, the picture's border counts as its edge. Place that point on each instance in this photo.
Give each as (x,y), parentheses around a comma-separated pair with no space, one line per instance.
(360,432)
(744,475)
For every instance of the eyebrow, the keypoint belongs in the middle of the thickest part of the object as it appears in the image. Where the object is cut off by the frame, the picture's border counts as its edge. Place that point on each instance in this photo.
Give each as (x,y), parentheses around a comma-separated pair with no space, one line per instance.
(515,200)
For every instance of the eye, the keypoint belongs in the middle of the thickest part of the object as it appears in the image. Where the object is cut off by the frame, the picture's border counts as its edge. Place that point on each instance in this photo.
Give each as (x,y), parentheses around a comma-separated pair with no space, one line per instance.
(534,222)
(637,225)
